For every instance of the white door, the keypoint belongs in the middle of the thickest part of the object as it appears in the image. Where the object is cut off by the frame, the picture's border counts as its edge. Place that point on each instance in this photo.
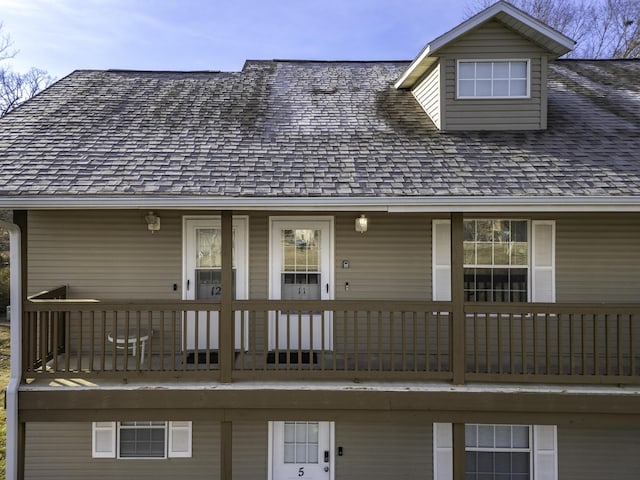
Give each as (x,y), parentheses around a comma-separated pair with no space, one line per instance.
(301,450)
(301,269)
(202,276)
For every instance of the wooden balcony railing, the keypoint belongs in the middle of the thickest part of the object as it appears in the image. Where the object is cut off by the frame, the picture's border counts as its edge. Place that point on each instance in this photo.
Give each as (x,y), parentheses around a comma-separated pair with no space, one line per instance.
(390,340)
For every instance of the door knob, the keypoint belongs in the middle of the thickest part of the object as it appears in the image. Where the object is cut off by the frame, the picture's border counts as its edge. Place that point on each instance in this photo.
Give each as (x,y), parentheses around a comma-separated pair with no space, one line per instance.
(326,469)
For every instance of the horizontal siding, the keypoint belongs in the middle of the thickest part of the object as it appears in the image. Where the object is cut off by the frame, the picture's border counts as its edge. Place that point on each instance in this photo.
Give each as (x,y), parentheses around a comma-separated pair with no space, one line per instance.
(596,453)
(381,451)
(250,449)
(105,254)
(390,261)
(493,40)
(597,258)
(427,93)
(112,255)
(62,451)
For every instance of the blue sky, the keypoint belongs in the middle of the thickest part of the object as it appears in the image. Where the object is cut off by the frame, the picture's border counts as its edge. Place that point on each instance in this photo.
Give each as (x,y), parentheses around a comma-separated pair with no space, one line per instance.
(64,35)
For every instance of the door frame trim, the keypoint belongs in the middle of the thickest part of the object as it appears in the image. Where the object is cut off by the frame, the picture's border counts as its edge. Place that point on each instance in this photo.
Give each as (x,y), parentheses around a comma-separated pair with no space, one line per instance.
(297,218)
(332,446)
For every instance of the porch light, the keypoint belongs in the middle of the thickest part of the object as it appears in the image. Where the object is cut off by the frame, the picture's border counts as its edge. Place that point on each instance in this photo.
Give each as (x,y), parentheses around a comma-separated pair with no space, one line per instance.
(362,223)
(153,222)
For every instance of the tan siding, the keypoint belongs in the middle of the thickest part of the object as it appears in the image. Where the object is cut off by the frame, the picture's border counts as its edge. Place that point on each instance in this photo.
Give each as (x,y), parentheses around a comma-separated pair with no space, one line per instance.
(250,449)
(62,451)
(428,95)
(493,40)
(596,258)
(384,450)
(596,454)
(259,256)
(390,261)
(105,254)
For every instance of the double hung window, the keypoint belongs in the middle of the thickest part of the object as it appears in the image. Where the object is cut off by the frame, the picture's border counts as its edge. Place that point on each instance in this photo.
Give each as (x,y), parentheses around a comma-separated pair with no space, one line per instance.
(493,79)
(142,439)
(499,452)
(496,260)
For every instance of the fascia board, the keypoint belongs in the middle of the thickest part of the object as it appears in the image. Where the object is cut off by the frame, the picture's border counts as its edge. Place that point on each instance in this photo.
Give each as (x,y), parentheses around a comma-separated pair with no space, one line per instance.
(336,204)
(500,7)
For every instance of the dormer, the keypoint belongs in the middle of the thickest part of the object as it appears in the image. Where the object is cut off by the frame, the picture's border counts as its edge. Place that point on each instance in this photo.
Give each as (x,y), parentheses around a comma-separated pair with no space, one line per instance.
(488,73)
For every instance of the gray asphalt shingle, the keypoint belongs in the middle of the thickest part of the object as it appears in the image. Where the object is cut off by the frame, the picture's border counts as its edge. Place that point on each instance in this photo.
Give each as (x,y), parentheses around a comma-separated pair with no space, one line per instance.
(307,129)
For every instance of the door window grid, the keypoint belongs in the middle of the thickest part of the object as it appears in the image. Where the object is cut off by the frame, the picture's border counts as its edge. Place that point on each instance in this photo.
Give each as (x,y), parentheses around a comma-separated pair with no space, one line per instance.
(493,79)
(142,439)
(301,442)
(300,278)
(496,260)
(498,452)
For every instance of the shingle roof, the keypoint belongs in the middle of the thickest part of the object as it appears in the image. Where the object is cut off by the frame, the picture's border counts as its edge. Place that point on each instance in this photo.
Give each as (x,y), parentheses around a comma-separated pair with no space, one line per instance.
(308,129)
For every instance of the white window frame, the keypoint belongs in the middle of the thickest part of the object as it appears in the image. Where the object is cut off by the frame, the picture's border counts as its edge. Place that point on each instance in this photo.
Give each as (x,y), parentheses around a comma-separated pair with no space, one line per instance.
(543,442)
(121,427)
(105,440)
(542,264)
(492,266)
(527,61)
(528,450)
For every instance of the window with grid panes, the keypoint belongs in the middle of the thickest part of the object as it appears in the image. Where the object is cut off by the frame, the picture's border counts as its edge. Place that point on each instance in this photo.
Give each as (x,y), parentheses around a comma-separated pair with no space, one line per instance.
(496,260)
(493,79)
(497,452)
(142,439)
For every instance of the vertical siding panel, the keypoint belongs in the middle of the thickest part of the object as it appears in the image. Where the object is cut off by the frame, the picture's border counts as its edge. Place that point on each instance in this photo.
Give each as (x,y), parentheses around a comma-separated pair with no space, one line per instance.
(595,454)
(380,451)
(62,451)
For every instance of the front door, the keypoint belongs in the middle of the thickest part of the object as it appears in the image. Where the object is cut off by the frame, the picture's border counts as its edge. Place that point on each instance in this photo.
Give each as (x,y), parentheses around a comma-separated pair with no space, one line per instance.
(301,269)
(203,273)
(301,450)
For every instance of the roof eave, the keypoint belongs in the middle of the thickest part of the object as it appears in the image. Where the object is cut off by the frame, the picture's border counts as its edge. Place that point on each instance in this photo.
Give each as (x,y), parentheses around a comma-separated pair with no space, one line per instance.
(443,204)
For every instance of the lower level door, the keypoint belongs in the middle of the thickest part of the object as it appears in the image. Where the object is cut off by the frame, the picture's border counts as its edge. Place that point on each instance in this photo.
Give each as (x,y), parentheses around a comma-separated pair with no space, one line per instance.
(301,450)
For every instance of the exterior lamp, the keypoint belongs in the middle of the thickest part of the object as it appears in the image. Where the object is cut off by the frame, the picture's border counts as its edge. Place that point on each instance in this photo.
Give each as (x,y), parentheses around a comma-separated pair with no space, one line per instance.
(153,222)
(362,223)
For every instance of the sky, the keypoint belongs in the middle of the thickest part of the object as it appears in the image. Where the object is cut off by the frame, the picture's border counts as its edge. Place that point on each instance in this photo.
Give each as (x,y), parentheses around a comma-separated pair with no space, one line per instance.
(60,36)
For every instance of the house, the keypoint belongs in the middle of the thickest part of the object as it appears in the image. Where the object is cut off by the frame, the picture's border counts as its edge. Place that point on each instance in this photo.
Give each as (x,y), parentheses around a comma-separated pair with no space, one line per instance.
(331,270)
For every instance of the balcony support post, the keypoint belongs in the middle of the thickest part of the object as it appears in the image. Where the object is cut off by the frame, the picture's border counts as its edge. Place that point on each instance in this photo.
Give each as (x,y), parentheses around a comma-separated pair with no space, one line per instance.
(459,468)
(225,325)
(457,299)
(226,450)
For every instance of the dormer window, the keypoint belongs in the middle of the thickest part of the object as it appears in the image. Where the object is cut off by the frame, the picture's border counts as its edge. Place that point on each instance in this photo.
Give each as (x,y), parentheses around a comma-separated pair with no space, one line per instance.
(493,79)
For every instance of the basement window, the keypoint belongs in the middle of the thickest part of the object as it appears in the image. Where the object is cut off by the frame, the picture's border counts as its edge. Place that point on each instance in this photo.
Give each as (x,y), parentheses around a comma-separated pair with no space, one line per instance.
(493,79)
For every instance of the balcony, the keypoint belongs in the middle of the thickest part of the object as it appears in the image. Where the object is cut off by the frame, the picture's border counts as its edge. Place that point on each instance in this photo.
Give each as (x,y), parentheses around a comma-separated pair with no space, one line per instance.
(341,340)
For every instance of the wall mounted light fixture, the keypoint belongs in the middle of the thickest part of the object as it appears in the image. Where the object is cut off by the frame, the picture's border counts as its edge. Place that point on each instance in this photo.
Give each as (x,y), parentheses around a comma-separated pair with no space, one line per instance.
(153,222)
(362,223)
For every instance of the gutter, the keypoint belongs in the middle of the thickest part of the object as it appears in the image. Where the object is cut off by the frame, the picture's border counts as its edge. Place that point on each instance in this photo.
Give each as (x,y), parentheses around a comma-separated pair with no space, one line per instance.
(443,204)
(11,393)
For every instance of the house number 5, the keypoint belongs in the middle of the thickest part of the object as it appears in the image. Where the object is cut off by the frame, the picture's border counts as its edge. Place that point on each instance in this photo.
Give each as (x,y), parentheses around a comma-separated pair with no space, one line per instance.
(301,472)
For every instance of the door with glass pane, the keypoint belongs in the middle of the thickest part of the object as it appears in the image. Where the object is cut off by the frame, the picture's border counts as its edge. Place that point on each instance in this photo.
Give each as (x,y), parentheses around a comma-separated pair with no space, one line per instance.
(301,269)
(301,451)
(203,274)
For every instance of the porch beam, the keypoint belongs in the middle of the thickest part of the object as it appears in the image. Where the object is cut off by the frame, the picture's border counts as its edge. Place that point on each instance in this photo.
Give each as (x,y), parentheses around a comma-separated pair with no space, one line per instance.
(457,298)
(226,344)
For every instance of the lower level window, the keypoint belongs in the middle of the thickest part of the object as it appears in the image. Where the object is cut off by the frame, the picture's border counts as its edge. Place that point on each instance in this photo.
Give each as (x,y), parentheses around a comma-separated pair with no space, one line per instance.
(142,439)
(497,452)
